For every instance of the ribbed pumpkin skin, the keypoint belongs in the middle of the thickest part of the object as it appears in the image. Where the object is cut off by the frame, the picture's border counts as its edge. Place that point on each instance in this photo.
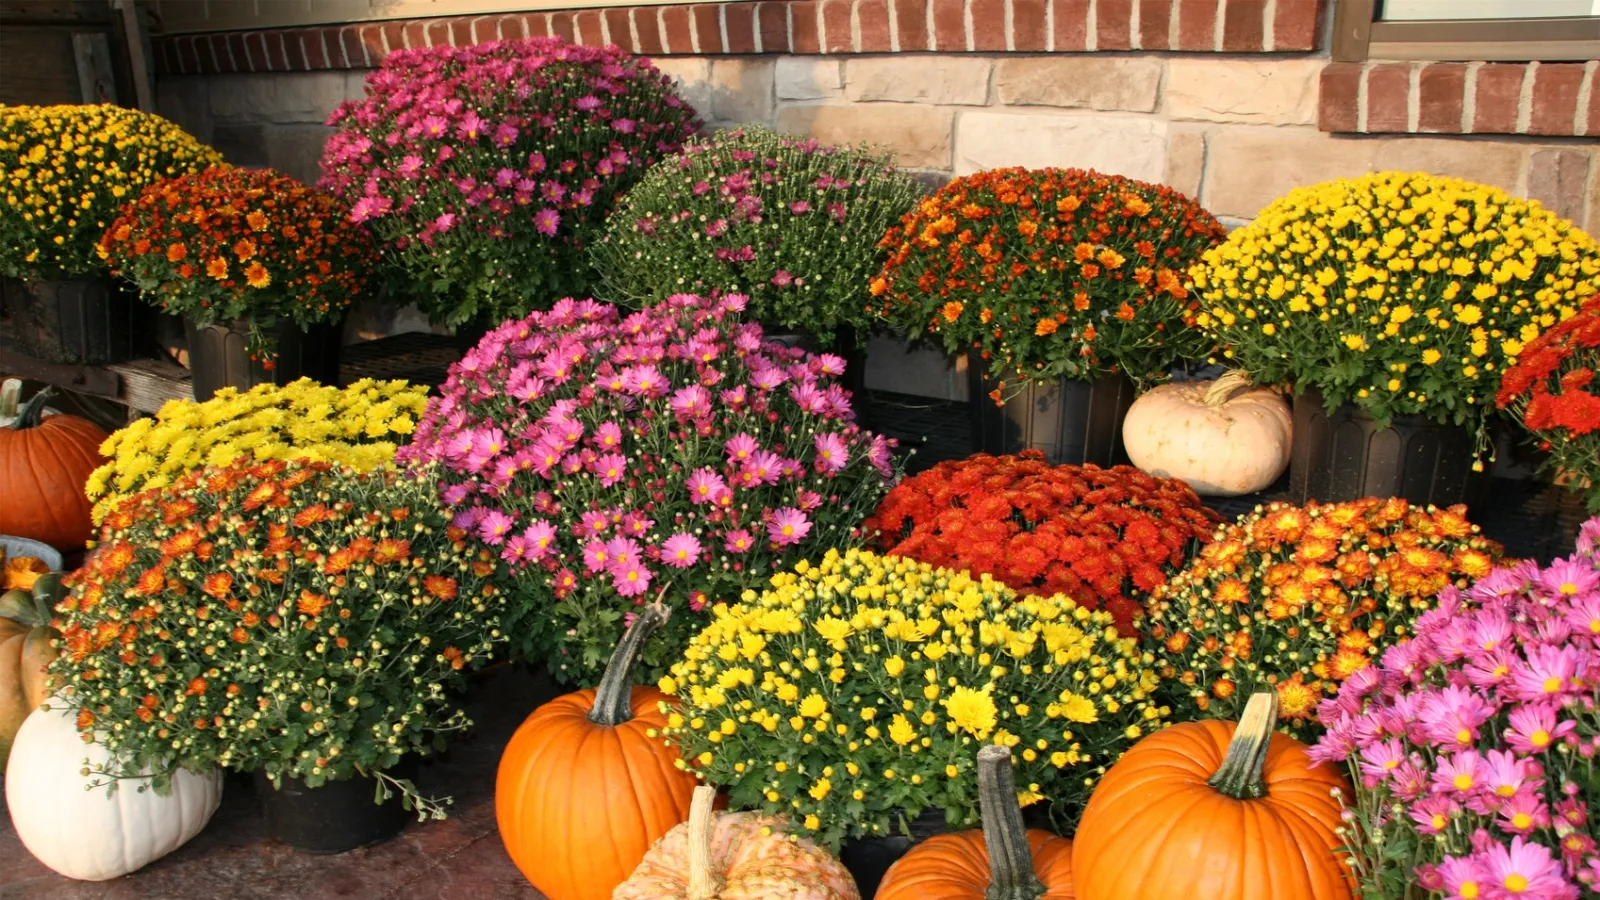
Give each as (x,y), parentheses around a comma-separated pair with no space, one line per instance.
(42,472)
(1154,830)
(752,866)
(956,867)
(578,803)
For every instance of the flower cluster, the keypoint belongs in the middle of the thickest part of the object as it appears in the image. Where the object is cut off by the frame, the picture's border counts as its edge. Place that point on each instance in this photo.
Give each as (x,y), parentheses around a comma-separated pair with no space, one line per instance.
(1104,537)
(64,170)
(486,171)
(295,617)
(357,427)
(789,222)
(1051,273)
(859,690)
(1400,293)
(609,459)
(228,243)
(1473,746)
(1299,599)
(1550,386)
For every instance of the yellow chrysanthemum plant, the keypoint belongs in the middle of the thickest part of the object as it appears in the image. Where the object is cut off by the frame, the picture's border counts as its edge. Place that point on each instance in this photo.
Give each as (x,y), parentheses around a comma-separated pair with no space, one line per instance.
(358,427)
(1400,293)
(853,695)
(65,170)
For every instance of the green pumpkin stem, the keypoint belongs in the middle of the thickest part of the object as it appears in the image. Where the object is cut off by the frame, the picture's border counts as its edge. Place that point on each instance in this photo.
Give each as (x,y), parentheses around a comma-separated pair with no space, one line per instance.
(703,882)
(613,699)
(1239,776)
(1011,875)
(33,410)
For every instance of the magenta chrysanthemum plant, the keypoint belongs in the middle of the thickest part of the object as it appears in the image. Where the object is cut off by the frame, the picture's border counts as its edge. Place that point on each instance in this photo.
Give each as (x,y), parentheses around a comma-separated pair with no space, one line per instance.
(1473,746)
(671,452)
(486,171)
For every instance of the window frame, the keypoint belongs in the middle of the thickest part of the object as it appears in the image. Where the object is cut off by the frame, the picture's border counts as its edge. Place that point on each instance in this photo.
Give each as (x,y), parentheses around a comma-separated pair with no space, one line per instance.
(1359,35)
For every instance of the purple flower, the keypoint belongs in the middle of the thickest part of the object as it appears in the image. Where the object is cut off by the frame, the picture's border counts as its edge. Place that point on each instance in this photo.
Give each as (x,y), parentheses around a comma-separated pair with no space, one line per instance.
(680,551)
(788,526)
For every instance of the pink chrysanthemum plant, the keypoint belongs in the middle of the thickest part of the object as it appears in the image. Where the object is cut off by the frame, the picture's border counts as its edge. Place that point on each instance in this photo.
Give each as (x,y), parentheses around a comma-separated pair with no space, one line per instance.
(485,172)
(671,452)
(1473,746)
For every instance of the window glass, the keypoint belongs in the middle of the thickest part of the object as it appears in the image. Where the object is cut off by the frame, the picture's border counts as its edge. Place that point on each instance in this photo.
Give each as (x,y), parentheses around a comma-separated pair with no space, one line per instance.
(1412,10)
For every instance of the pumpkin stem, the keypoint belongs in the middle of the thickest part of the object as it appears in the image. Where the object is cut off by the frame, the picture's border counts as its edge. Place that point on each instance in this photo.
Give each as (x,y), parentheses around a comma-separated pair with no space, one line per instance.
(32,410)
(1011,875)
(1239,776)
(702,825)
(1223,389)
(613,699)
(10,395)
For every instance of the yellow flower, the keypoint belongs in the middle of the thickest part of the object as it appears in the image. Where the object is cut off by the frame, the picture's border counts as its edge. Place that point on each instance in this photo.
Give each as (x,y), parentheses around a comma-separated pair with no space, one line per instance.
(894,665)
(972,711)
(901,730)
(813,706)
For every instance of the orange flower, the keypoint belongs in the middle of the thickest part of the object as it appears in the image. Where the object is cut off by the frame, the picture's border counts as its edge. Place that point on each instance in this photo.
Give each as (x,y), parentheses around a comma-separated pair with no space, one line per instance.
(85,720)
(256,220)
(390,550)
(114,559)
(455,657)
(311,515)
(257,275)
(196,688)
(176,252)
(245,249)
(1110,258)
(217,268)
(1080,301)
(440,586)
(952,310)
(311,604)
(218,584)
(1044,327)
(1125,312)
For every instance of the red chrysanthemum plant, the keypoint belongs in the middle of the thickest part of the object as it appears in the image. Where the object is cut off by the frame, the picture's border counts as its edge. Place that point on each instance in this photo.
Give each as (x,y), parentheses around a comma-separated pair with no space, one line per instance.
(1551,388)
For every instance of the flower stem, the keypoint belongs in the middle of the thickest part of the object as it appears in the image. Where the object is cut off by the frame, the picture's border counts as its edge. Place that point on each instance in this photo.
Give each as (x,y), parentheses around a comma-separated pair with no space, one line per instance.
(702,825)
(613,700)
(1011,874)
(1239,776)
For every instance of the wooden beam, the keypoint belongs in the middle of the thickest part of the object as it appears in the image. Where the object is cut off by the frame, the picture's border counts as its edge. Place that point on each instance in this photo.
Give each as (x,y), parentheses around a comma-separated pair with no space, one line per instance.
(136,46)
(148,384)
(95,380)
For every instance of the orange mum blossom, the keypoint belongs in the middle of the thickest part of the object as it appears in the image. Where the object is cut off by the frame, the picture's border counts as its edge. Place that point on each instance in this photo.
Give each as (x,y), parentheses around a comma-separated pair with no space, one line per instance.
(1103,537)
(1051,273)
(301,618)
(1300,599)
(225,244)
(1551,388)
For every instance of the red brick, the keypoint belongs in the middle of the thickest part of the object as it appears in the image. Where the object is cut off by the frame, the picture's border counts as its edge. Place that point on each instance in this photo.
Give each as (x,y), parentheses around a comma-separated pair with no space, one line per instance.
(412,35)
(312,40)
(1297,24)
(161,56)
(1555,98)
(510,28)
(188,59)
(1440,93)
(1114,24)
(586,28)
(561,26)
(461,32)
(1499,93)
(988,25)
(217,49)
(278,51)
(1155,16)
(1197,22)
(255,54)
(537,25)
(232,53)
(772,18)
(1028,33)
(352,45)
(1071,25)
(618,29)
(803,14)
(707,27)
(644,19)
(1242,26)
(1337,93)
(679,36)
(911,21)
(836,36)
(740,18)
(949,26)
(481,29)
(293,48)
(439,32)
(1388,93)
(1594,124)
(873,18)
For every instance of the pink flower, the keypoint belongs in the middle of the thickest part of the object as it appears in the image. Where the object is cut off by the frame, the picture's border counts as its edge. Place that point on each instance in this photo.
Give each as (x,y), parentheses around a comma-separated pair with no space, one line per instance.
(1534,727)
(1463,878)
(494,526)
(704,485)
(1452,717)
(540,538)
(515,550)
(738,541)
(680,551)
(832,454)
(1523,813)
(691,401)
(788,526)
(623,550)
(1505,774)
(763,467)
(782,278)
(608,436)
(444,222)
(547,221)
(596,558)
(1433,814)
(740,447)
(1525,869)
(1459,773)
(644,381)
(631,578)
(611,468)
(1566,578)
(1547,673)
(594,522)
(1380,759)
(636,523)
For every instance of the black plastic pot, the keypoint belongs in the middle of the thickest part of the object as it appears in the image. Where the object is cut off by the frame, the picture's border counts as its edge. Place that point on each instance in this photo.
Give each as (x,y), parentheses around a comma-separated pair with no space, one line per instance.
(74,321)
(218,358)
(1342,455)
(1072,422)
(867,859)
(335,817)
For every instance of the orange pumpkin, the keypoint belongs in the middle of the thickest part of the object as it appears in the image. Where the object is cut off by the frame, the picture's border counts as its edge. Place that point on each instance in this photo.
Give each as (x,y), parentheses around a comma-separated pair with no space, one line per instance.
(584,789)
(43,466)
(1004,861)
(1205,809)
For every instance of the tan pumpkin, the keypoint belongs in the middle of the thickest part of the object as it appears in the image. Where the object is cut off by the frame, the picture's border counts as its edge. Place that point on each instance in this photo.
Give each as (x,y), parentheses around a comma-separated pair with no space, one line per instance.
(25,649)
(735,856)
(1224,437)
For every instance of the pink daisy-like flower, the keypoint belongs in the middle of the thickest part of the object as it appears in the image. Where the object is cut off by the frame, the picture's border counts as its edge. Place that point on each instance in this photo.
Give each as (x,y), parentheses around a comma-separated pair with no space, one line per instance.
(763,467)
(680,551)
(1547,673)
(1380,759)
(515,550)
(1452,717)
(789,526)
(740,447)
(832,453)
(541,538)
(1504,773)
(1462,878)
(611,468)
(1534,727)
(494,527)
(691,401)
(1524,869)
(1523,813)
(636,523)
(644,381)
(1566,578)
(738,541)
(623,550)
(594,522)
(630,578)
(607,436)
(1459,773)
(1433,814)
(704,486)
(596,558)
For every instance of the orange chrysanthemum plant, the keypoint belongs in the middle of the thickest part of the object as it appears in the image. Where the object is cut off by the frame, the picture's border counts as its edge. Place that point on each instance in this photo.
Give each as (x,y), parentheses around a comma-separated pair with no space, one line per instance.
(299,618)
(226,244)
(1551,388)
(1104,537)
(1051,273)
(1300,599)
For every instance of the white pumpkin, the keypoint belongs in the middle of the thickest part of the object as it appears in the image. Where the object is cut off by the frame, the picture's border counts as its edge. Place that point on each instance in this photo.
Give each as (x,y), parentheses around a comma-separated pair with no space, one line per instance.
(82,833)
(1223,437)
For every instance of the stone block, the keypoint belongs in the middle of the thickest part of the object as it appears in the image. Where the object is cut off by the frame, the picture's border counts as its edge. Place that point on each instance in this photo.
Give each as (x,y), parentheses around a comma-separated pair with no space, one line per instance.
(296,150)
(1247,168)
(1136,148)
(1282,92)
(741,90)
(1556,178)
(1186,160)
(693,78)
(939,80)
(277,97)
(1088,82)
(186,101)
(241,145)
(918,135)
(809,78)
(1490,162)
